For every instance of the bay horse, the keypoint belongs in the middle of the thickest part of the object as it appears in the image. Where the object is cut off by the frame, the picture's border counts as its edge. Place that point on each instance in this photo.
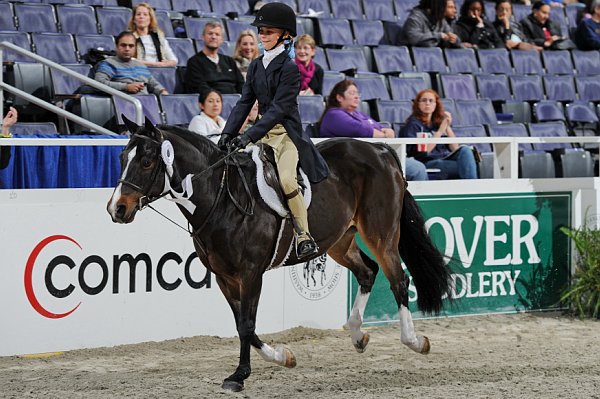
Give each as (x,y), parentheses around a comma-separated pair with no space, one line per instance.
(366,192)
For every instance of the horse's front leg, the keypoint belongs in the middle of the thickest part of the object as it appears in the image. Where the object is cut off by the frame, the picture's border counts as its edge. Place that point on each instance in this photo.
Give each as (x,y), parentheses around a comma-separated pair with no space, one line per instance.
(278,355)
(246,324)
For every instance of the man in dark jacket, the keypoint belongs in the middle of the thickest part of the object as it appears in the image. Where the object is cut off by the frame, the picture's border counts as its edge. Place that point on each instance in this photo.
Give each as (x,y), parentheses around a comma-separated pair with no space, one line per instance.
(273,79)
(210,70)
(538,28)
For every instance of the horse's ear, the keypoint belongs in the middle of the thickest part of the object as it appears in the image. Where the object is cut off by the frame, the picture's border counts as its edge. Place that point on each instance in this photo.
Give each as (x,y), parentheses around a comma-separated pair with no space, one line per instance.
(151,129)
(131,126)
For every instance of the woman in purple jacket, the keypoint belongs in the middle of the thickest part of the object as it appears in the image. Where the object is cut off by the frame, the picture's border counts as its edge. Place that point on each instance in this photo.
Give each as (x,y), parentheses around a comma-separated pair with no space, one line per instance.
(342,118)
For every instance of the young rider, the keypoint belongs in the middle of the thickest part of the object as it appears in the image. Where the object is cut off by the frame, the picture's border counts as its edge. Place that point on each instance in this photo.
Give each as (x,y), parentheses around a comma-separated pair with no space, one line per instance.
(273,79)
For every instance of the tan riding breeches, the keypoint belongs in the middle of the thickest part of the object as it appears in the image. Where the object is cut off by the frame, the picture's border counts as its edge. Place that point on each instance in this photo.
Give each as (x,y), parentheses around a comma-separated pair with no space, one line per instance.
(286,158)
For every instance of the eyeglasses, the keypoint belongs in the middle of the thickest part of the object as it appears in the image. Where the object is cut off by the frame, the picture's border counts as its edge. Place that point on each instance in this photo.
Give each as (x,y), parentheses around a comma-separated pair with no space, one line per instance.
(427,100)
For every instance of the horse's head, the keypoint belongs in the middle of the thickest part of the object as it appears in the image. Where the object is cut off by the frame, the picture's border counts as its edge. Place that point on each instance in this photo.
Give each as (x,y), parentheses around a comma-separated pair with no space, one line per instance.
(142,172)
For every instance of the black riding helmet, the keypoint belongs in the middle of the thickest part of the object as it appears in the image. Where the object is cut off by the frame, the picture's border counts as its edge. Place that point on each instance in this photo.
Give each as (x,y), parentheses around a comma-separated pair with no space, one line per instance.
(276,15)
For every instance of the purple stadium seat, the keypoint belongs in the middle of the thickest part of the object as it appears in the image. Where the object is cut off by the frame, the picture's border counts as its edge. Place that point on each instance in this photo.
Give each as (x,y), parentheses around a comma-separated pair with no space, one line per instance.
(588,88)
(494,61)
(458,87)
(179,109)
(476,112)
(35,17)
(461,60)
(429,59)
(7,17)
(392,59)
(57,47)
(527,62)
(77,19)
(368,33)
(558,62)
(149,107)
(346,9)
(229,101)
(311,108)
(223,7)
(548,111)
(560,88)
(494,87)
(334,32)
(406,88)
(315,5)
(113,20)
(379,10)
(549,129)
(372,87)
(526,87)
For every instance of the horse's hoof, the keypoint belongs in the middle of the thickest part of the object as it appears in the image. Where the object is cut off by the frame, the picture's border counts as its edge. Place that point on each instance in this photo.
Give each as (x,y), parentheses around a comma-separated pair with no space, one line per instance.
(361,345)
(290,359)
(233,386)
(426,346)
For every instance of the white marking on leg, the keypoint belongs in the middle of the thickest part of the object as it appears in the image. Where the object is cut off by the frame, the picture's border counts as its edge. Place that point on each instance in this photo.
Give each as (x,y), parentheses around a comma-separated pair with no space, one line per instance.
(117,193)
(407,331)
(273,355)
(356,316)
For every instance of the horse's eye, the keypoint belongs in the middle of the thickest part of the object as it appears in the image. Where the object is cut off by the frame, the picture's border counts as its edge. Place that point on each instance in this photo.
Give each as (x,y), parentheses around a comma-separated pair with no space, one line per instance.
(146,163)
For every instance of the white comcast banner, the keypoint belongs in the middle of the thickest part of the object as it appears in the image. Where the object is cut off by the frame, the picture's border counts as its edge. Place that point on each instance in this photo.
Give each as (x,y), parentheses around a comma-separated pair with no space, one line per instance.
(73,279)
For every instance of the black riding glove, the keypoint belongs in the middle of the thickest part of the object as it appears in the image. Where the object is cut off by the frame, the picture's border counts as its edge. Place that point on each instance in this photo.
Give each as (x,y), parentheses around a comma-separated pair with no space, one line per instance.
(239,142)
(224,141)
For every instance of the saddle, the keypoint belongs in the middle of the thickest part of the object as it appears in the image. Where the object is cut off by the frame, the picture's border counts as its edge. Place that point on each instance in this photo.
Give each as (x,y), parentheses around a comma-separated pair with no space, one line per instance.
(267,155)
(268,181)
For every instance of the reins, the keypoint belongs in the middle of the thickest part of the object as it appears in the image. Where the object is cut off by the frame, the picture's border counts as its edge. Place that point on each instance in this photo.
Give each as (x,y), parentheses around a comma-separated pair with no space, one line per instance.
(146,200)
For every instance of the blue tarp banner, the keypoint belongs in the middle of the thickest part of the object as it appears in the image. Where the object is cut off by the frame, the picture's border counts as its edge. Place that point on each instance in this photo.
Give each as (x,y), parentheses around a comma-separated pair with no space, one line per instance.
(62,166)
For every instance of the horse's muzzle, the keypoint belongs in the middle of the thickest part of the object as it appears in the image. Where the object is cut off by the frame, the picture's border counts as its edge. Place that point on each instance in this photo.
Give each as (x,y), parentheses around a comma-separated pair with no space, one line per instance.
(123,210)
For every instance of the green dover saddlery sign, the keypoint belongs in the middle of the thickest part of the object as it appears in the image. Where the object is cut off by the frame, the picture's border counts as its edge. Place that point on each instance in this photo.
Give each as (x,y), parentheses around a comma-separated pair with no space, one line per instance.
(509,254)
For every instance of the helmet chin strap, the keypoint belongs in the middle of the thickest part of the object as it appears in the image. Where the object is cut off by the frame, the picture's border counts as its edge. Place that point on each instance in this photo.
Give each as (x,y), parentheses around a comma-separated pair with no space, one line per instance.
(279,41)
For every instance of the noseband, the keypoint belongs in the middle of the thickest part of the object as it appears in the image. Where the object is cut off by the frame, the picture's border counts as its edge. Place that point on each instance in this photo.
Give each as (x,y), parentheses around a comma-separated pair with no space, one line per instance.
(146,199)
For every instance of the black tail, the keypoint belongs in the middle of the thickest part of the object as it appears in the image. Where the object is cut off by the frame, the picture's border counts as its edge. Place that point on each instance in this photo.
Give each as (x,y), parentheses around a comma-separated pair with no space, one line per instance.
(425,263)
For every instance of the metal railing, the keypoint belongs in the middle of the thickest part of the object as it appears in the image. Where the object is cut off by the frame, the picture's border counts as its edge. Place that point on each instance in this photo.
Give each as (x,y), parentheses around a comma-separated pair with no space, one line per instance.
(139,116)
(505,163)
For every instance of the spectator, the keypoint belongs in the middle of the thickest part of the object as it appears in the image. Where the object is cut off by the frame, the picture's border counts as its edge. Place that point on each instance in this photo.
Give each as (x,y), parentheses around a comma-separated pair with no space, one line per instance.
(451,13)
(341,119)
(246,50)
(473,28)
(454,160)
(311,73)
(209,123)
(152,48)
(426,26)
(210,70)
(9,120)
(540,30)
(123,72)
(587,35)
(509,29)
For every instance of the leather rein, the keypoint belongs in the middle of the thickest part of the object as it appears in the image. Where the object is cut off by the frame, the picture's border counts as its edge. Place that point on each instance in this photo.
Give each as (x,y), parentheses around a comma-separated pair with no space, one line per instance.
(146,199)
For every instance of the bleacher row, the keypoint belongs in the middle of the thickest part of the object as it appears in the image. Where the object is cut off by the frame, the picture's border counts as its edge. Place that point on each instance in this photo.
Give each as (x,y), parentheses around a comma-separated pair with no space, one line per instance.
(355,40)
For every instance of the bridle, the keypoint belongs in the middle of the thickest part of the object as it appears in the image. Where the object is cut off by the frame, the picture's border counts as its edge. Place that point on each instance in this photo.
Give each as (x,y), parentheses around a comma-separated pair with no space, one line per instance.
(146,199)
(160,166)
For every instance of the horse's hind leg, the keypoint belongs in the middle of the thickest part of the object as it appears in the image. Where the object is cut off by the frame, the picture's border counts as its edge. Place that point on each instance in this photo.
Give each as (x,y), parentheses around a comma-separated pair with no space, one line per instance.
(347,253)
(388,256)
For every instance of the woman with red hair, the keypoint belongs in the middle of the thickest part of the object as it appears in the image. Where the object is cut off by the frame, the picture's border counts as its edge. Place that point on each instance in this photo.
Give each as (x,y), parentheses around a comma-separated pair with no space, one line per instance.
(429,117)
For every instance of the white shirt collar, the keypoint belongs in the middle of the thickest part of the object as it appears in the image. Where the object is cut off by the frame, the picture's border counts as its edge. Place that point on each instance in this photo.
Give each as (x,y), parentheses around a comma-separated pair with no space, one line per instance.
(271,54)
